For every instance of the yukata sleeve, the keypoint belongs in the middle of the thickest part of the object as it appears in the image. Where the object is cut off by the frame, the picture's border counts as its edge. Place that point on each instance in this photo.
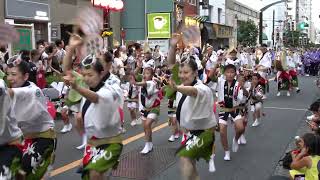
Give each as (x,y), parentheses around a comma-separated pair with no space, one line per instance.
(151,87)
(23,93)
(203,103)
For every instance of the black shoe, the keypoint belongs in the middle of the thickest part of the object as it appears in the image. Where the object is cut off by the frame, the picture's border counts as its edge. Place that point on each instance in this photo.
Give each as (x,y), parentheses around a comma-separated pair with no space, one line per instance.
(298,90)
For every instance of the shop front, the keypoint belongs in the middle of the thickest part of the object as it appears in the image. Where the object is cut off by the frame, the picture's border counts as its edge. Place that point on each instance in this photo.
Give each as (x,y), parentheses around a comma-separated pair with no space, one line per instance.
(223,34)
(31,19)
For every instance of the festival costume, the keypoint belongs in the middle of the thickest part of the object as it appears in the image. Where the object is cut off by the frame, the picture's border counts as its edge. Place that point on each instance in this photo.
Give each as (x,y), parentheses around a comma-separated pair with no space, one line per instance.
(196,115)
(229,99)
(38,128)
(149,101)
(10,137)
(105,143)
(266,62)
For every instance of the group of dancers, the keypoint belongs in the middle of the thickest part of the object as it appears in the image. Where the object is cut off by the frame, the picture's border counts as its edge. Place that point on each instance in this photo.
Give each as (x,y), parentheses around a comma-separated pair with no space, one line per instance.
(204,91)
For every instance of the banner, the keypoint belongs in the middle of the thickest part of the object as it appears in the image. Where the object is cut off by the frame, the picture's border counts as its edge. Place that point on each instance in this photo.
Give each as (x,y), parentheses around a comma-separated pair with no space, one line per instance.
(159,25)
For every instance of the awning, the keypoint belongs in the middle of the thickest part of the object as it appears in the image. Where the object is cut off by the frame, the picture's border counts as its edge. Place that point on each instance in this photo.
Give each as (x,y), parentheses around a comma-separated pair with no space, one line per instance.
(264,36)
(200,18)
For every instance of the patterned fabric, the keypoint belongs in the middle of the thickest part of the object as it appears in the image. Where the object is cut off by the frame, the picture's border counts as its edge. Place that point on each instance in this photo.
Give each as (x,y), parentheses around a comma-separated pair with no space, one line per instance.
(101,158)
(294,76)
(198,145)
(38,154)
(284,80)
(155,110)
(9,161)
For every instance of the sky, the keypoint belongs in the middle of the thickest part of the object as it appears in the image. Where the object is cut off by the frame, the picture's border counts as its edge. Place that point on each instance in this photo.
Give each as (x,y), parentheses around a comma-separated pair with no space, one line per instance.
(256,4)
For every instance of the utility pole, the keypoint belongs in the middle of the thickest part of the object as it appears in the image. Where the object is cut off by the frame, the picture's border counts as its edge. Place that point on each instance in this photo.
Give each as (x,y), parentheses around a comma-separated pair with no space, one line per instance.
(261,18)
(273,41)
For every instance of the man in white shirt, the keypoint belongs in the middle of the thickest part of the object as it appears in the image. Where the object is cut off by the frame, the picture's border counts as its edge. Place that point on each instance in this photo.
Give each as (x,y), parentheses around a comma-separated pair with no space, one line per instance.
(60,51)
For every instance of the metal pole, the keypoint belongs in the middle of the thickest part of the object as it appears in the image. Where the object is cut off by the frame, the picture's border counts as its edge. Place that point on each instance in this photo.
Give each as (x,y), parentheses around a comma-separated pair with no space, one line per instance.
(260,27)
(273,13)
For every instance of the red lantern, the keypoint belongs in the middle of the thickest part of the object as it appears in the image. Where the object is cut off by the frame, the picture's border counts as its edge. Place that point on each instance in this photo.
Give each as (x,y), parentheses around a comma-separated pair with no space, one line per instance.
(114,5)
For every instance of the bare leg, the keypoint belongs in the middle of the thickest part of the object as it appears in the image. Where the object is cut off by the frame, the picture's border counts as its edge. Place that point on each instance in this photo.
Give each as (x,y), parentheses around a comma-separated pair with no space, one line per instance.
(65,117)
(239,128)
(147,125)
(133,114)
(95,175)
(224,136)
(188,169)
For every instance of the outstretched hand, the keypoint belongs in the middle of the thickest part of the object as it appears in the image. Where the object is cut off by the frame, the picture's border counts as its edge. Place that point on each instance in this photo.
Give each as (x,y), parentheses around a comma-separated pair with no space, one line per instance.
(70,80)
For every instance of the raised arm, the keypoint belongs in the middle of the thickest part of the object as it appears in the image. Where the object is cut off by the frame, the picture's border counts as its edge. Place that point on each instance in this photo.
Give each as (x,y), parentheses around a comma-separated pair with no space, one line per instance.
(172,51)
(75,42)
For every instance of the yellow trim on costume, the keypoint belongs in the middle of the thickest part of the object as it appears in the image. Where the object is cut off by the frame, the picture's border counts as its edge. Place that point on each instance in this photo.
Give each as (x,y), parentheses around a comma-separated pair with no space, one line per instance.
(110,140)
(49,134)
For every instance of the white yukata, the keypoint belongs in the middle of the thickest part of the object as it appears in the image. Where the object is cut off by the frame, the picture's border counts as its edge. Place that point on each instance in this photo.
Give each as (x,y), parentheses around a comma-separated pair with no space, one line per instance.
(196,113)
(149,101)
(30,108)
(266,62)
(102,119)
(148,64)
(212,61)
(257,93)
(237,99)
(9,129)
(133,97)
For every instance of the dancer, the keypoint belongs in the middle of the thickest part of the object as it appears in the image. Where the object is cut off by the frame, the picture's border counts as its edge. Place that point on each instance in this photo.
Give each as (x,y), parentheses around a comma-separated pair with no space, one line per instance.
(10,138)
(230,95)
(194,110)
(99,103)
(149,102)
(256,99)
(38,128)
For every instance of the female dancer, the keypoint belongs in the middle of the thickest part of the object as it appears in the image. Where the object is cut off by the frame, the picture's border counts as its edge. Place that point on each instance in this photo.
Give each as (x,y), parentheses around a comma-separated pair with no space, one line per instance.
(101,118)
(37,127)
(194,111)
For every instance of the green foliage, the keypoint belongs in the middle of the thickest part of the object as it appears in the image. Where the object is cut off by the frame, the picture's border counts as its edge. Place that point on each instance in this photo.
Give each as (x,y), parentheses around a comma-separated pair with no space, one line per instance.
(53,78)
(291,38)
(169,92)
(2,74)
(247,33)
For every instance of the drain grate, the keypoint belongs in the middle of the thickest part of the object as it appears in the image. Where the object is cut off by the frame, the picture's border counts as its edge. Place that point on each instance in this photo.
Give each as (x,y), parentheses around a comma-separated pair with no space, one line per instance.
(133,165)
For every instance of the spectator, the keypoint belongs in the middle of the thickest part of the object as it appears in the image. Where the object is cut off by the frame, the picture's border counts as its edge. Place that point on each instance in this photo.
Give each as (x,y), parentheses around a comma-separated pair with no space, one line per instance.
(60,50)
(307,160)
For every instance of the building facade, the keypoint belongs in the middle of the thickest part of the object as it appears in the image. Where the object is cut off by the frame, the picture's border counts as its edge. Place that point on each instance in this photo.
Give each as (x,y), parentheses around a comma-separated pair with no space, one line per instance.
(300,18)
(47,19)
(214,29)
(236,13)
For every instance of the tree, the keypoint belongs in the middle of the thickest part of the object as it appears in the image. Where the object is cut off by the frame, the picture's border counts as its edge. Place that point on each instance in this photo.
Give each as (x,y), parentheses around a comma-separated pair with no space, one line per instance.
(291,38)
(247,33)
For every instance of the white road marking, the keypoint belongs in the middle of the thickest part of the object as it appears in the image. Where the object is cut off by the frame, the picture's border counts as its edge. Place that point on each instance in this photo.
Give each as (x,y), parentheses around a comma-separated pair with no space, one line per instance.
(281,108)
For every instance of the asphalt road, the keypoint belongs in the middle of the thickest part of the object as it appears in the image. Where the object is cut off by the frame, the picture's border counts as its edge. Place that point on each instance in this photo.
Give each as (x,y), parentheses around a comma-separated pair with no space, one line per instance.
(255,161)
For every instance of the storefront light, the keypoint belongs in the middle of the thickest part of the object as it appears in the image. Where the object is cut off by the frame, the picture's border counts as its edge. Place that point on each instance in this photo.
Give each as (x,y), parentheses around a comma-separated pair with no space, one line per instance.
(41,13)
(41,18)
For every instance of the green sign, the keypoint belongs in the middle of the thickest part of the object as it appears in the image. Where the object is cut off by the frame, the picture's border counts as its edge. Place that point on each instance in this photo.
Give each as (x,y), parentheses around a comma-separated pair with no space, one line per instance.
(159,25)
(25,40)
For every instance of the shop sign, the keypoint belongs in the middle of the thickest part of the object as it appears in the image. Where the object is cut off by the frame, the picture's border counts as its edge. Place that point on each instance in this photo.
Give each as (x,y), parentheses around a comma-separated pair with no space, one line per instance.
(159,25)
